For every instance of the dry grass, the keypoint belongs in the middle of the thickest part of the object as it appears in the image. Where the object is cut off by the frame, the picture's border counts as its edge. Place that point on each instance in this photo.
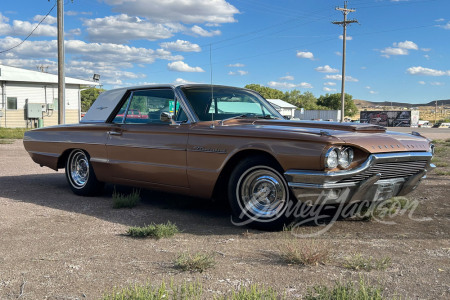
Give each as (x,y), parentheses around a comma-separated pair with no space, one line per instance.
(359,262)
(304,252)
(126,201)
(156,231)
(195,262)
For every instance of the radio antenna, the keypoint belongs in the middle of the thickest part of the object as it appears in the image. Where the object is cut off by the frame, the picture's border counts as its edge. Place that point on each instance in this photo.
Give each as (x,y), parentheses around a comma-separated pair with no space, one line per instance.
(212,87)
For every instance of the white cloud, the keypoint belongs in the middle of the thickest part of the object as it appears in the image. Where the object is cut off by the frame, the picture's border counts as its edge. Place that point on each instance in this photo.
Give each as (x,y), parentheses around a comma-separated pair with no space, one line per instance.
(123,28)
(307,55)
(327,89)
(287,77)
(407,45)
(83,59)
(237,65)
(422,82)
(48,20)
(347,38)
(427,71)
(180,66)
(326,69)
(440,20)
(368,87)
(186,11)
(437,83)
(329,83)
(373,92)
(23,28)
(3,19)
(181,45)
(339,77)
(388,52)
(182,81)
(446,26)
(238,72)
(76,13)
(401,48)
(289,85)
(198,31)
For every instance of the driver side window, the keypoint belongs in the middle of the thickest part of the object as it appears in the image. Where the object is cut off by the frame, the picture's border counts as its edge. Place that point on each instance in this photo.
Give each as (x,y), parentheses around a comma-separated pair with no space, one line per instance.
(146,106)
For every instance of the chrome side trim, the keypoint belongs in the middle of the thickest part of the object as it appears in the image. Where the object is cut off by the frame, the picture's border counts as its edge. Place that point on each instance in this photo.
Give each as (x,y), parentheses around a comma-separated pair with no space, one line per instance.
(99,160)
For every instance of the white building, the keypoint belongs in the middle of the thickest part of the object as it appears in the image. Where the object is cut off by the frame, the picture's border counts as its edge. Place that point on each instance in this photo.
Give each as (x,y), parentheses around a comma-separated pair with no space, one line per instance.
(287,110)
(21,86)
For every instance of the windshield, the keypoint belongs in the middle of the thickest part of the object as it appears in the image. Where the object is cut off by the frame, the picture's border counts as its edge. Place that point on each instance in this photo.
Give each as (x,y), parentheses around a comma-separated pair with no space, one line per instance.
(224,103)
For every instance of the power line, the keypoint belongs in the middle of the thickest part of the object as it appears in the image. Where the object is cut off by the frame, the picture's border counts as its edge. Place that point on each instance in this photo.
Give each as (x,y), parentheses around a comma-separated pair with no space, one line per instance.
(23,41)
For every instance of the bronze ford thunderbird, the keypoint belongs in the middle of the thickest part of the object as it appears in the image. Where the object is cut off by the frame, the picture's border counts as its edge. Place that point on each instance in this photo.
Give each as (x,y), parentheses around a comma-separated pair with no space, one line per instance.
(207,141)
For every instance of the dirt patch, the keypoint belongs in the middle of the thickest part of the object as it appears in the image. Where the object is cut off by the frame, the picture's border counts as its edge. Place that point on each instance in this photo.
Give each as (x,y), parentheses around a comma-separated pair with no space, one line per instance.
(55,245)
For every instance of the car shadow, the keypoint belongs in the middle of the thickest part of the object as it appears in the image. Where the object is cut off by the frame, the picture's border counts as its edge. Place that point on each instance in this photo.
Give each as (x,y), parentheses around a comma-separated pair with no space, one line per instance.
(192,215)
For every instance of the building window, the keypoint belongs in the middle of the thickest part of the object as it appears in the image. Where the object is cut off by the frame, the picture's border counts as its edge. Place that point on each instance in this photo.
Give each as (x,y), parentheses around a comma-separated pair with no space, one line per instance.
(11,103)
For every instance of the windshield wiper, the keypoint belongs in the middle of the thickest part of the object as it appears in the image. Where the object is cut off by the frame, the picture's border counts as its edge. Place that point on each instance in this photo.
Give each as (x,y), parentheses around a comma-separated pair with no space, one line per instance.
(268,117)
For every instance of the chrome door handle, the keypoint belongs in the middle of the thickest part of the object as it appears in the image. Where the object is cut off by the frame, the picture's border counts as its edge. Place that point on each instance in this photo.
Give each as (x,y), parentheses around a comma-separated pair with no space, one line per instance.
(114,133)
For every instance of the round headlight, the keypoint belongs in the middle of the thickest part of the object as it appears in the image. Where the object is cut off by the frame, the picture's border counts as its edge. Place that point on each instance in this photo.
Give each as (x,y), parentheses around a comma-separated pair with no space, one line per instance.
(332,158)
(346,157)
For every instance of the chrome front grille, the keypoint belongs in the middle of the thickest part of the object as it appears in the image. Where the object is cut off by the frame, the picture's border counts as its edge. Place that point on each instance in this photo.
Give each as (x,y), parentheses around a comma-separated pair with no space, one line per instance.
(390,170)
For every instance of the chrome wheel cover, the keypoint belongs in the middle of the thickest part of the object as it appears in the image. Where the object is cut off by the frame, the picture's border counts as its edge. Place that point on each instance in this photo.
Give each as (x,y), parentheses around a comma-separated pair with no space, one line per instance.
(78,168)
(262,193)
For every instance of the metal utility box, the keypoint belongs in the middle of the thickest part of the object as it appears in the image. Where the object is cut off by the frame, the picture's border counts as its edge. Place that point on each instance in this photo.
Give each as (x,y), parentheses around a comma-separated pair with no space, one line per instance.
(1,114)
(34,110)
(50,106)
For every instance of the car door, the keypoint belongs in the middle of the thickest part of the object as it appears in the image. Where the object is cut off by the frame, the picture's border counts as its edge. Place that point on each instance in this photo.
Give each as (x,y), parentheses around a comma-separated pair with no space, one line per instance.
(143,148)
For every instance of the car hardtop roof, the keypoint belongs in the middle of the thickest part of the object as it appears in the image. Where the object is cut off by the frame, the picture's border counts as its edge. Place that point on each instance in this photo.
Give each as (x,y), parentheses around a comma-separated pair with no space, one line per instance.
(187,85)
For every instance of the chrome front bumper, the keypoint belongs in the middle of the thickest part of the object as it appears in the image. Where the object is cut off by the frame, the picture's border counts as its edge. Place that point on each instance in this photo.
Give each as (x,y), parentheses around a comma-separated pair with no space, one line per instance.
(368,182)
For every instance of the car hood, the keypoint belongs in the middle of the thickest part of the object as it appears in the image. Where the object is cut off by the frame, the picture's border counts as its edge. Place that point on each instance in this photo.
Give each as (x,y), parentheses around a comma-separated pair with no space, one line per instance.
(372,138)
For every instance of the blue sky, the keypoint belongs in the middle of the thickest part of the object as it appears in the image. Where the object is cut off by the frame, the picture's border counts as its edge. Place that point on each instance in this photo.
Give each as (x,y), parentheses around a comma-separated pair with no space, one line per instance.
(400,51)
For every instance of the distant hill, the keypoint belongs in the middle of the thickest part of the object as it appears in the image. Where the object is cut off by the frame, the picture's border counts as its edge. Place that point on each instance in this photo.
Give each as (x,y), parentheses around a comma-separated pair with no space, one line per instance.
(365,103)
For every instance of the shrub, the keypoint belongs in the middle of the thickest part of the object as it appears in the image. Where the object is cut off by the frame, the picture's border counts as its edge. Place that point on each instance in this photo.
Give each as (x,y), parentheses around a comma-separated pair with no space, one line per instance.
(304,252)
(126,201)
(345,291)
(156,231)
(151,292)
(360,262)
(254,292)
(196,262)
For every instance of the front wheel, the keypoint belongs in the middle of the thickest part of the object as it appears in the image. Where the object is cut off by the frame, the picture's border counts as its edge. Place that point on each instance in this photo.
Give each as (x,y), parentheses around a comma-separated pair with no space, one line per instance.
(80,174)
(259,195)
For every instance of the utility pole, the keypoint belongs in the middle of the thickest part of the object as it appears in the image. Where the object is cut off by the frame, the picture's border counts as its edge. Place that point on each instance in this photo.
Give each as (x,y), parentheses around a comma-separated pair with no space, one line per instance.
(61,73)
(345,11)
(435,113)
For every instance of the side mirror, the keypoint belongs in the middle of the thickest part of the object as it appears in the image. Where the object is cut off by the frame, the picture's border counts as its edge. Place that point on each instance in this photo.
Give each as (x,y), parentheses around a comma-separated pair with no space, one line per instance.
(166,117)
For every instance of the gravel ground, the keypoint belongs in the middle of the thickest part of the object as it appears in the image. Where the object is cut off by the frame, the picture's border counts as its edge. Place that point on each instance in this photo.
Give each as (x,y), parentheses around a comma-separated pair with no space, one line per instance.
(55,245)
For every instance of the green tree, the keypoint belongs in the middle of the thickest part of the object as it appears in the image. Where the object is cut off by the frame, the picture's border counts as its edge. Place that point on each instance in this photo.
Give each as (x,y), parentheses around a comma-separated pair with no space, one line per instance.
(307,100)
(266,92)
(88,97)
(333,101)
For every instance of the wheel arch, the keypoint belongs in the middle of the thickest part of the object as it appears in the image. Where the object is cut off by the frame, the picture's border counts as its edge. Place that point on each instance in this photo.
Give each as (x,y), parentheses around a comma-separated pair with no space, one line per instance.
(220,187)
(62,160)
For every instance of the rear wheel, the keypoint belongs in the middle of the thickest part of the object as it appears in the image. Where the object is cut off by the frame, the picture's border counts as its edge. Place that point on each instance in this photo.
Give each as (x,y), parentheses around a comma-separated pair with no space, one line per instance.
(259,195)
(80,174)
